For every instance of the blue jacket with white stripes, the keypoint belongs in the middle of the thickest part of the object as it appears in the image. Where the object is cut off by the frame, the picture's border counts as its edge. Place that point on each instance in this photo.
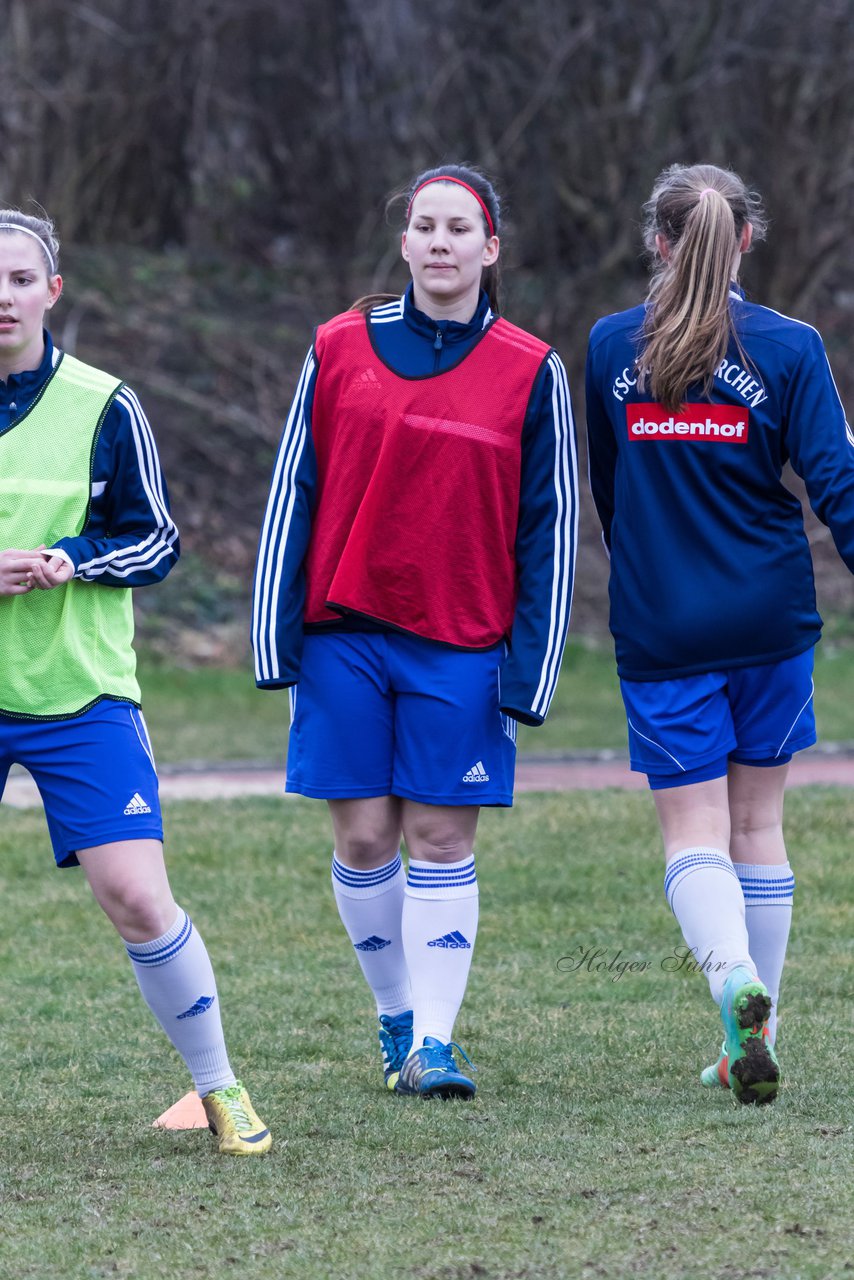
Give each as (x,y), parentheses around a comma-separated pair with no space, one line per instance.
(129,539)
(710,564)
(416,346)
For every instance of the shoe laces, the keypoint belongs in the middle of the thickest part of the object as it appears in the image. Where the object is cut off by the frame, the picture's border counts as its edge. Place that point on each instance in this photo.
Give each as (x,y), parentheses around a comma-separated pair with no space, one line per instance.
(445,1058)
(232,1099)
(398,1030)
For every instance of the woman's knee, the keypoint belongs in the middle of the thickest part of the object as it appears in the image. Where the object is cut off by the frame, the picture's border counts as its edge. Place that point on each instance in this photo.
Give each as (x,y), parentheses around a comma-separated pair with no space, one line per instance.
(439,834)
(364,850)
(138,911)
(131,886)
(367,832)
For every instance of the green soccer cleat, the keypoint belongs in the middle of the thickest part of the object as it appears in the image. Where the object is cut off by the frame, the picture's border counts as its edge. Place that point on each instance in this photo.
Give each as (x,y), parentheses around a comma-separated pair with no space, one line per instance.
(716,1076)
(232,1118)
(752,1067)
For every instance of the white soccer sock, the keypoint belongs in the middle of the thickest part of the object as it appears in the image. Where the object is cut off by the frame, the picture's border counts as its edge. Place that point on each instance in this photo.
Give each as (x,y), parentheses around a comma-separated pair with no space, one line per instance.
(705,896)
(177,983)
(439,928)
(768,894)
(370,904)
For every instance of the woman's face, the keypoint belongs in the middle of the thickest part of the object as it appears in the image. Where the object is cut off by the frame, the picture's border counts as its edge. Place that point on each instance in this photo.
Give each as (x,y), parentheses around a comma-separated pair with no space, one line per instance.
(447,248)
(27,292)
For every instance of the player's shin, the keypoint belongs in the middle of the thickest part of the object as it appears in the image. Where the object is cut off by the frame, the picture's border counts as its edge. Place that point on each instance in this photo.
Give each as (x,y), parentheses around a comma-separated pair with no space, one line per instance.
(177,983)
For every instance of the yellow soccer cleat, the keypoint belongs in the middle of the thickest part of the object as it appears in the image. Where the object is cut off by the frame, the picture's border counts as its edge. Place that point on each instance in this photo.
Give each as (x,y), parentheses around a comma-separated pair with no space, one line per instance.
(233,1120)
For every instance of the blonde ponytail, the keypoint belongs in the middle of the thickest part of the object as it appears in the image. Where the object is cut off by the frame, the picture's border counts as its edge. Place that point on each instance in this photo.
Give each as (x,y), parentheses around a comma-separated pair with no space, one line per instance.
(699,214)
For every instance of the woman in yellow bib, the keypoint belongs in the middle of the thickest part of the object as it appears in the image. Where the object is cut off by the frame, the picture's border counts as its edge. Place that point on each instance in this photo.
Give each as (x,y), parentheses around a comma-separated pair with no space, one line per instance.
(84,517)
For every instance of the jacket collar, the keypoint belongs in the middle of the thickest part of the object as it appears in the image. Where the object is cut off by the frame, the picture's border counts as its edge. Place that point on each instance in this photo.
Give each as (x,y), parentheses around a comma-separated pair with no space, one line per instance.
(451,330)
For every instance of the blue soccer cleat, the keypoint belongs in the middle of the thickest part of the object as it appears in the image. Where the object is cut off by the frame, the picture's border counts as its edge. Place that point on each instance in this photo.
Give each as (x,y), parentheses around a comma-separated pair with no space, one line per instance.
(430,1072)
(752,1066)
(395,1041)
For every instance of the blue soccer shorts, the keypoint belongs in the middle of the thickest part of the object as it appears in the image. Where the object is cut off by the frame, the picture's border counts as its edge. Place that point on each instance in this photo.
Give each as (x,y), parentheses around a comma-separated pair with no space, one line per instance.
(382,713)
(687,730)
(95,773)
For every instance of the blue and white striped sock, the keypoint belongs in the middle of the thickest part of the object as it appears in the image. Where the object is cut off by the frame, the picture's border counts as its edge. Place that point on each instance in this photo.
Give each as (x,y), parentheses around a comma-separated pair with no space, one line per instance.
(704,894)
(440,908)
(768,896)
(370,904)
(177,983)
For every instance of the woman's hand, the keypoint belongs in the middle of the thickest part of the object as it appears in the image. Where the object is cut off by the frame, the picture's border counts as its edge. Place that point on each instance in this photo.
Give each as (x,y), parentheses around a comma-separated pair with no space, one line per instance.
(50,570)
(16,571)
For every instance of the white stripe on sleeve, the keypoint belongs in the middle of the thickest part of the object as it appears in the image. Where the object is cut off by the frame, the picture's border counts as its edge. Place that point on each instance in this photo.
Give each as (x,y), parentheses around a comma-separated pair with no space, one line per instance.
(565,534)
(274,532)
(124,561)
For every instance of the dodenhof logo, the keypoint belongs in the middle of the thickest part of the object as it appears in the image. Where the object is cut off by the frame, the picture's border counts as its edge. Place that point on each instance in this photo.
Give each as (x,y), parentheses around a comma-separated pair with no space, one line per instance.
(720,423)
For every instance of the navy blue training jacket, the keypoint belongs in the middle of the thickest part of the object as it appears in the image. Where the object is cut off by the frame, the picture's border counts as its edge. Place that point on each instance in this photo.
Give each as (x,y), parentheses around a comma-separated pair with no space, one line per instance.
(710,565)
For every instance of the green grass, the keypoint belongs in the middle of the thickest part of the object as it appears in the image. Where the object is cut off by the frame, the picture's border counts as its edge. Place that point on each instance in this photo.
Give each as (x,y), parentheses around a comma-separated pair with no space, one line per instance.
(218,714)
(212,713)
(590,1152)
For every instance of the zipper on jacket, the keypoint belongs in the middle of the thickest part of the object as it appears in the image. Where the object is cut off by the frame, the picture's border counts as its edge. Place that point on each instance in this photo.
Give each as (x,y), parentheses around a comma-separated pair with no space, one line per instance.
(437,347)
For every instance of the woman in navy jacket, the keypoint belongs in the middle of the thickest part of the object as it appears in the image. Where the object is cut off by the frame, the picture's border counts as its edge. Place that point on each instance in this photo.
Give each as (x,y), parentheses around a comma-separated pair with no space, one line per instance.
(695,401)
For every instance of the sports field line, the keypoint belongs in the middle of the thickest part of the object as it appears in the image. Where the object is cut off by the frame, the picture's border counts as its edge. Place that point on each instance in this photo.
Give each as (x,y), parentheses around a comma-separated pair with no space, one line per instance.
(829,765)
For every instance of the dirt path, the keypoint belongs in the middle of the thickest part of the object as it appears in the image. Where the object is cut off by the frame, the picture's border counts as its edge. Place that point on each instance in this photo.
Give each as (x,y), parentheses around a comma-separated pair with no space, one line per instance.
(829,765)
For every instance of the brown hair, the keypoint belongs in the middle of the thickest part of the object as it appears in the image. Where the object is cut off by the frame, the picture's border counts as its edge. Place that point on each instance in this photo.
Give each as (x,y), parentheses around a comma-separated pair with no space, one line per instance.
(700,211)
(368,301)
(485,191)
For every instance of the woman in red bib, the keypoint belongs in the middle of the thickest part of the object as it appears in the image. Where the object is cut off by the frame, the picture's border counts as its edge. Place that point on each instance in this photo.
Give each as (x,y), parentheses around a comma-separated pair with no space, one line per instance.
(412,591)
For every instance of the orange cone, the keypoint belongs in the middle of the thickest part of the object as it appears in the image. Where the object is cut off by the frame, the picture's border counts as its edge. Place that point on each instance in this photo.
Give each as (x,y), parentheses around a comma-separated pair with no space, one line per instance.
(186,1113)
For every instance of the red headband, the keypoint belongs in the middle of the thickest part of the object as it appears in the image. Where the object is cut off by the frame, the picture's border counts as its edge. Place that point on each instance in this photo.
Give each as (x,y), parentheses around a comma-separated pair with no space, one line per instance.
(460,183)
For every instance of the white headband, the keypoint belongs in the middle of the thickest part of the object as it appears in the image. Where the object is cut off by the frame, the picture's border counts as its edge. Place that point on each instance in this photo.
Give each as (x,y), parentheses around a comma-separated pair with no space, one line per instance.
(13,226)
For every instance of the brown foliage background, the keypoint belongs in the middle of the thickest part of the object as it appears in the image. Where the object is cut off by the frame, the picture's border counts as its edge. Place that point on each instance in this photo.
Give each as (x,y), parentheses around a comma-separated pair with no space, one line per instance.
(218,173)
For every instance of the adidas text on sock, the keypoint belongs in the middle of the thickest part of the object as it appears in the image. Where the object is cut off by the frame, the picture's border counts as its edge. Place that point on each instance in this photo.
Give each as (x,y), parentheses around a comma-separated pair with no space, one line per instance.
(440,914)
(370,904)
(176,980)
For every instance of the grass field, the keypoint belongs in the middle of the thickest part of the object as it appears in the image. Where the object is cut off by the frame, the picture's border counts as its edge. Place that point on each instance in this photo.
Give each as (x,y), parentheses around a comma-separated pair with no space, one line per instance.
(590,1151)
(218,714)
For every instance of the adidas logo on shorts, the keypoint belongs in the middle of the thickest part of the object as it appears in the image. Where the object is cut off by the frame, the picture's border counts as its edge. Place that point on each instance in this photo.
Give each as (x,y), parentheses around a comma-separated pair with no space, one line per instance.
(476,773)
(136,804)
